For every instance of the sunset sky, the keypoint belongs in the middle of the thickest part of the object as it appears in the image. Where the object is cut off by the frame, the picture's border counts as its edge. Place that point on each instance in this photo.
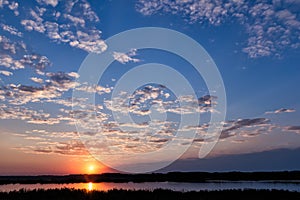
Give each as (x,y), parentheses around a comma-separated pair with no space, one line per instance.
(254,44)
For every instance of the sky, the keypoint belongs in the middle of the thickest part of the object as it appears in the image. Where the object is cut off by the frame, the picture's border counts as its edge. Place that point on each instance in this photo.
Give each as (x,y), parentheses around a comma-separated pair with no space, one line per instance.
(45,129)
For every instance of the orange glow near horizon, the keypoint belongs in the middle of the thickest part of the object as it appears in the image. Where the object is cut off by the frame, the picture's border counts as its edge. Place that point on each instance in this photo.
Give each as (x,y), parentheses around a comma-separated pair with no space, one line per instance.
(94,168)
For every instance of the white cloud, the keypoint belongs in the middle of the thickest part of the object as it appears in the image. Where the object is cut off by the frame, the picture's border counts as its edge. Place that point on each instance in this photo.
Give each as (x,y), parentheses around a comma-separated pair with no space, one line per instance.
(37,80)
(6,73)
(125,57)
(72,26)
(48,2)
(12,30)
(272,26)
(11,5)
(31,25)
(9,62)
(75,20)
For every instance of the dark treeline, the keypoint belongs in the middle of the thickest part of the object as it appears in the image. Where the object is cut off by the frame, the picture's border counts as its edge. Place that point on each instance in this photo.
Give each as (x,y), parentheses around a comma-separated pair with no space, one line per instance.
(75,194)
(156,177)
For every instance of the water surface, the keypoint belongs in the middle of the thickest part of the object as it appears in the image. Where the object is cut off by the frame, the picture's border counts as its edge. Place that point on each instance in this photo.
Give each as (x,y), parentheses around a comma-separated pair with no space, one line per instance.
(176,186)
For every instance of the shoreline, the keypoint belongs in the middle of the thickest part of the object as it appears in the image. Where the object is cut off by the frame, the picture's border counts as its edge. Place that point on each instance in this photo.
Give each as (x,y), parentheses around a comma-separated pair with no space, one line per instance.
(181,177)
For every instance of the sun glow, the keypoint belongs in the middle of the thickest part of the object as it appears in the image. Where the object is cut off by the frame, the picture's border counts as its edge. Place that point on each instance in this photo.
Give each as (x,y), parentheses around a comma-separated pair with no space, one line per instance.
(91,168)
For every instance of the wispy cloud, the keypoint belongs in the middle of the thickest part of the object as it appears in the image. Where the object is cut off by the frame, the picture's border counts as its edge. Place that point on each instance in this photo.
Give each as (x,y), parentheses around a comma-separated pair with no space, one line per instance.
(281,110)
(6,73)
(294,129)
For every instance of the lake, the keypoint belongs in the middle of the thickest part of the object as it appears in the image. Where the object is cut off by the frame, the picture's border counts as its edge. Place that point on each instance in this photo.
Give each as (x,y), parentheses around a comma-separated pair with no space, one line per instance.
(290,186)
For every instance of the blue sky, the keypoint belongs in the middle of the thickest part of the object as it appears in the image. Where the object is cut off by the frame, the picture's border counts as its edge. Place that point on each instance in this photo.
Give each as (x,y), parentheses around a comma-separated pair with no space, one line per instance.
(44,42)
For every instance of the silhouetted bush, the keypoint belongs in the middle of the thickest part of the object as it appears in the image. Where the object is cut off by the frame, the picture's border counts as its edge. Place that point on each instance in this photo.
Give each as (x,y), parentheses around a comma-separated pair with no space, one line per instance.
(158,194)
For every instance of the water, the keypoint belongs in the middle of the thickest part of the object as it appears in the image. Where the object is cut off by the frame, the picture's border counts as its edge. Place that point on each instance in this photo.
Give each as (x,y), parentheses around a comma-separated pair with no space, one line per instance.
(164,185)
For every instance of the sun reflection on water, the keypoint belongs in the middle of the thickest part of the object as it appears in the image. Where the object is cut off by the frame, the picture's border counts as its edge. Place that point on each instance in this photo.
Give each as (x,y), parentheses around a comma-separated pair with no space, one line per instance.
(90,186)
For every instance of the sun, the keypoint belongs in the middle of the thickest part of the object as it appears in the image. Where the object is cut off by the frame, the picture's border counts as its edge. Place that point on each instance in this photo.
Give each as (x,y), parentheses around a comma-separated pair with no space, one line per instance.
(91,168)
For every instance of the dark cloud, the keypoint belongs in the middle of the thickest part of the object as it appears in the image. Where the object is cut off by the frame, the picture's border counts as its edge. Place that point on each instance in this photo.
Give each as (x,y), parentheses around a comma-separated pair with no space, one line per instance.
(36,61)
(60,77)
(293,128)
(30,88)
(206,100)
(163,140)
(240,124)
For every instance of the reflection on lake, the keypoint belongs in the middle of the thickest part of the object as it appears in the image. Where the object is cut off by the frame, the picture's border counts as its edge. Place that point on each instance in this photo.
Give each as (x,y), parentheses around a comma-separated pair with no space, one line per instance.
(155,185)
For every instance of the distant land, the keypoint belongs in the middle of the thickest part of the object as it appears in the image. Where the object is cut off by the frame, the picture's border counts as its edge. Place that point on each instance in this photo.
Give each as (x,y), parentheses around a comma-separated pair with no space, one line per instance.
(192,177)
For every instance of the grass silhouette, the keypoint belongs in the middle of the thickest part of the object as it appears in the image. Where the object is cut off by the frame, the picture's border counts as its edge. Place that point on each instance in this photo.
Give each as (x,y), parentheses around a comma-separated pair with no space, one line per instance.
(158,194)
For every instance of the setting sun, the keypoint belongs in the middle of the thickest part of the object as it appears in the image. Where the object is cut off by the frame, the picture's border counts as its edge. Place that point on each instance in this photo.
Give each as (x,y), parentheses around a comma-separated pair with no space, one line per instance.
(91,169)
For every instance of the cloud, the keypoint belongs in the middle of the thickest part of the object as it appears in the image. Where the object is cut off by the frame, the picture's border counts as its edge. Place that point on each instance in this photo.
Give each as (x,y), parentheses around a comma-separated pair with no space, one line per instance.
(125,57)
(281,110)
(157,98)
(94,89)
(12,30)
(6,73)
(48,2)
(70,148)
(22,94)
(21,113)
(11,5)
(294,129)
(72,26)
(61,80)
(37,80)
(242,123)
(54,87)
(271,26)
(15,56)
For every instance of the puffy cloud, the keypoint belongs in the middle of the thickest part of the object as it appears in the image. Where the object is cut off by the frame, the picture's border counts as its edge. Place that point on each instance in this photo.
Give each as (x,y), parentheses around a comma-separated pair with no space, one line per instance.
(21,113)
(94,89)
(37,80)
(11,5)
(31,25)
(125,57)
(12,30)
(58,83)
(63,81)
(10,48)
(272,26)
(72,26)
(14,55)
(48,2)
(75,20)
(156,97)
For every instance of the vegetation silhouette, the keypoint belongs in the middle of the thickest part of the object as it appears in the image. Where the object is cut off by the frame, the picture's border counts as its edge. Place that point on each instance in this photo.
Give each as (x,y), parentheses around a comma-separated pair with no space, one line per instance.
(76,194)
